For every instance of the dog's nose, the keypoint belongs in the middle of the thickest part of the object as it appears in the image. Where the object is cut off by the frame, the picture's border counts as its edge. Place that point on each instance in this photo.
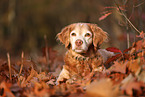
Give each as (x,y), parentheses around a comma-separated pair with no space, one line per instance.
(78,42)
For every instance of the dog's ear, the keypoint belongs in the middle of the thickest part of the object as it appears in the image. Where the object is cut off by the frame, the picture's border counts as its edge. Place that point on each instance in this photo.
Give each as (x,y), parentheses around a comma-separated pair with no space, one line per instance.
(99,36)
(63,36)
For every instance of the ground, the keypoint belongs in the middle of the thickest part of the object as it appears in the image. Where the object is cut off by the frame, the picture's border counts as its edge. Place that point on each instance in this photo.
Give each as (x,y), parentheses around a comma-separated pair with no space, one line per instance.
(37,76)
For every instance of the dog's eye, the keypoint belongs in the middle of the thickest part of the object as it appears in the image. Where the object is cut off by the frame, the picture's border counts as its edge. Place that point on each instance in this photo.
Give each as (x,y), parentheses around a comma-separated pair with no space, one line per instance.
(73,34)
(87,35)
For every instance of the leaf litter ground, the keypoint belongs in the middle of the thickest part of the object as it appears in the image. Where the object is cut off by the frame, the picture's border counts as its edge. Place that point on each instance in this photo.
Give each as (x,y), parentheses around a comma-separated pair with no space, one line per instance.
(26,77)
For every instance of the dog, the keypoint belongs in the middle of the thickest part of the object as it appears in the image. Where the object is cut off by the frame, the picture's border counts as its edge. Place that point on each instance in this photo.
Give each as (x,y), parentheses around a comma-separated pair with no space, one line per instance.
(84,55)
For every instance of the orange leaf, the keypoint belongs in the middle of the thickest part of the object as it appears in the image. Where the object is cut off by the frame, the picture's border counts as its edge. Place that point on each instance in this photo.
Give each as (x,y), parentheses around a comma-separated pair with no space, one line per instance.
(130,87)
(134,65)
(138,45)
(104,16)
(142,34)
(118,67)
(101,88)
(7,92)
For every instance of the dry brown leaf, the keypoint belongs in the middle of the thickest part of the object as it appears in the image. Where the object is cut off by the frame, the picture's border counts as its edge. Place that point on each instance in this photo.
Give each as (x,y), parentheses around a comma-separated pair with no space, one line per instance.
(32,74)
(102,88)
(138,45)
(40,89)
(7,92)
(134,66)
(133,88)
(43,77)
(51,82)
(128,79)
(21,81)
(141,76)
(118,67)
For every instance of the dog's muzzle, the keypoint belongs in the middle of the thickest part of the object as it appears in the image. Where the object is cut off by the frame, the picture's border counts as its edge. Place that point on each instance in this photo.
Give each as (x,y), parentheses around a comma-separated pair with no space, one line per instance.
(78,42)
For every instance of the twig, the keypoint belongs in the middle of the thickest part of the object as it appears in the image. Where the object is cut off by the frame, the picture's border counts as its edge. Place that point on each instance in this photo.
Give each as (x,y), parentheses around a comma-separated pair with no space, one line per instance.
(128,45)
(9,65)
(131,13)
(139,4)
(22,61)
(46,52)
(127,18)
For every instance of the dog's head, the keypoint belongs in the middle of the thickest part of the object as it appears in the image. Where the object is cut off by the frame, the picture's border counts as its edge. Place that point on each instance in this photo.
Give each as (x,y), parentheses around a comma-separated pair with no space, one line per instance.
(79,36)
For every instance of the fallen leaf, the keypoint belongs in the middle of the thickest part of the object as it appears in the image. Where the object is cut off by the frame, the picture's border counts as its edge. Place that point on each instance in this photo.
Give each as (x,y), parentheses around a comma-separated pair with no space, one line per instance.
(118,67)
(134,88)
(101,88)
(51,82)
(141,76)
(6,89)
(138,45)
(43,77)
(32,74)
(134,66)
(40,89)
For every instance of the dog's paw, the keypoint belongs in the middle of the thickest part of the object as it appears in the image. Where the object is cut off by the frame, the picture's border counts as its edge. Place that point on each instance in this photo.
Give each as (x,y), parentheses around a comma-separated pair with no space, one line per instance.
(63,76)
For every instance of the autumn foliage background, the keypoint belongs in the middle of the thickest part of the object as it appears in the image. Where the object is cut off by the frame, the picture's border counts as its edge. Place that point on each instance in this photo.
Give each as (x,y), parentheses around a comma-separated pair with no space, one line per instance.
(31,57)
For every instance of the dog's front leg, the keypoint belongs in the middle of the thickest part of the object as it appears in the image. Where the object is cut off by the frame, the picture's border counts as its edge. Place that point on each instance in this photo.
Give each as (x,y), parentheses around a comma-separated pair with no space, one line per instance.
(64,75)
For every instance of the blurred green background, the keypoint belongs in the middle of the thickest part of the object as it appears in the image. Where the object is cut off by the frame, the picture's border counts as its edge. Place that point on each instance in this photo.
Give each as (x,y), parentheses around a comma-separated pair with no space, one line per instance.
(23,23)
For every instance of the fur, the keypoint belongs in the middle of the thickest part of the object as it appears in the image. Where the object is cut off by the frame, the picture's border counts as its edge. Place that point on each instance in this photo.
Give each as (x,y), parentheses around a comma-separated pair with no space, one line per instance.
(90,57)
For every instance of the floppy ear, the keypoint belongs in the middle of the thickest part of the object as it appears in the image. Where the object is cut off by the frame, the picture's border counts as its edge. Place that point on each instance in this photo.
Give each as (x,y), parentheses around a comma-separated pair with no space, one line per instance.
(63,36)
(99,36)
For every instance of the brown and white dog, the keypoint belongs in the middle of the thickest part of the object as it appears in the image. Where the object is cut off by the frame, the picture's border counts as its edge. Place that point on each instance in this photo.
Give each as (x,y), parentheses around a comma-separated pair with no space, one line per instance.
(83,56)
